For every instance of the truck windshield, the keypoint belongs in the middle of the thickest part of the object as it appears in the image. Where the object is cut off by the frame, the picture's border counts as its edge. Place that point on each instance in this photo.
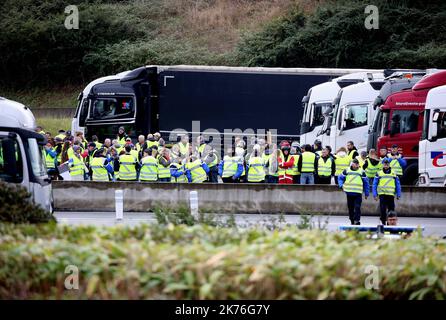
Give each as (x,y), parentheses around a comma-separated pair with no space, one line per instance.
(36,158)
(336,108)
(112,108)
(320,111)
(384,124)
(376,121)
(356,116)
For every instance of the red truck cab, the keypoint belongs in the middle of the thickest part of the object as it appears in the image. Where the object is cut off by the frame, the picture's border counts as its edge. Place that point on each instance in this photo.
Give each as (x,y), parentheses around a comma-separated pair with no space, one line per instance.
(402,122)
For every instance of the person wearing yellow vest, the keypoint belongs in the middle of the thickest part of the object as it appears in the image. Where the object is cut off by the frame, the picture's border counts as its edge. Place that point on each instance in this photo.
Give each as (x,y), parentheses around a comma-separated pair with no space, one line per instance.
(151,141)
(352,152)
(230,168)
(164,162)
(140,146)
(149,166)
(295,152)
(209,156)
(325,167)
(128,166)
(255,167)
(39,129)
(121,136)
(76,165)
(362,158)
(397,162)
(181,149)
(196,170)
(101,167)
(342,162)
(95,139)
(307,165)
(317,147)
(354,183)
(177,171)
(50,160)
(61,135)
(386,185)
(372,165)
(270,160)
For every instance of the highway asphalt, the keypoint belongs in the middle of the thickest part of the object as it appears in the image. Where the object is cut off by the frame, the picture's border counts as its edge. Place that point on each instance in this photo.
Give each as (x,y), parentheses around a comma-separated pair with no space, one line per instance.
(432,226)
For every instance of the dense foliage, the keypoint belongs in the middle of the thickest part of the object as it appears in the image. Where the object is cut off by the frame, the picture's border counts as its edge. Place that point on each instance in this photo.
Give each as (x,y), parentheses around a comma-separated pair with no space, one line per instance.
(118,35)
(205,262)
(411,34)
(17,207)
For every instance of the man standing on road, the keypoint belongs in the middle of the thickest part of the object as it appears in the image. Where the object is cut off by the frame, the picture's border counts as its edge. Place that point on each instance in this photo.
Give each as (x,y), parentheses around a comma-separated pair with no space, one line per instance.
(386,185)
(354,182)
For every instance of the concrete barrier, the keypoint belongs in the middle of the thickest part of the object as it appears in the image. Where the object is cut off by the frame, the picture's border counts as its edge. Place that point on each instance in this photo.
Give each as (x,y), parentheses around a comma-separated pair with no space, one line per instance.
(237,198)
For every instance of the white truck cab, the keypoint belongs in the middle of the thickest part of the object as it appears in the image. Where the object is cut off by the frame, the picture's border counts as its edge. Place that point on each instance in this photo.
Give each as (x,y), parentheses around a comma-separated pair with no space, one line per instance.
(352,114)
(318,104)
(21,152)
(432,147)
(83,106)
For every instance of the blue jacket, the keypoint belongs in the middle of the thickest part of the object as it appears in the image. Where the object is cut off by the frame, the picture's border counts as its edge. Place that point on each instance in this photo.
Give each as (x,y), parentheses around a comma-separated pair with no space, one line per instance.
(376,182)
(176,172)
(401,160)
(365,183)
(189,176)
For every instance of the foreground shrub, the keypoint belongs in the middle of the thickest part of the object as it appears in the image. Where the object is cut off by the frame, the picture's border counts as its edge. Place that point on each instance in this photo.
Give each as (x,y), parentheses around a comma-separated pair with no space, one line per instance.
(204,262)
(17,207)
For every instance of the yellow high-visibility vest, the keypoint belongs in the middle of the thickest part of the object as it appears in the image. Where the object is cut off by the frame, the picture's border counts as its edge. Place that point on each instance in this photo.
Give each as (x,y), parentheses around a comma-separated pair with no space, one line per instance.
(341,164)
(149,169)
(78,167)
(372,170)
(256,172)
(98,168)
(353,181)
(196,170)
(163,172)
(386,185)
(324,167)
(127,170)
(229,166)
(308,158)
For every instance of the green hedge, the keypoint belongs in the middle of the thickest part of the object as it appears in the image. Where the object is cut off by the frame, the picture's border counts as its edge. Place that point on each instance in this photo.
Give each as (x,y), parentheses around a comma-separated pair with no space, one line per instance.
(17,206)
(411,34)
(203,262)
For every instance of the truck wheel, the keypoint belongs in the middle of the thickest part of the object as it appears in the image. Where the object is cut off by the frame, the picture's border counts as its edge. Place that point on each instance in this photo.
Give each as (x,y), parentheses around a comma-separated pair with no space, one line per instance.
(410,175)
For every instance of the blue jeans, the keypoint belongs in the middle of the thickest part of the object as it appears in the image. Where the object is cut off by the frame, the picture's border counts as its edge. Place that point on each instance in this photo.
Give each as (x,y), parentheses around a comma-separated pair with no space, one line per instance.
(306,178)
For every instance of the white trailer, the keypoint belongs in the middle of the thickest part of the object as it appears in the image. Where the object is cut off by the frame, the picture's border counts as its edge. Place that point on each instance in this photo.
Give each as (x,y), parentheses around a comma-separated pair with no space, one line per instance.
(21,152)
(432,147)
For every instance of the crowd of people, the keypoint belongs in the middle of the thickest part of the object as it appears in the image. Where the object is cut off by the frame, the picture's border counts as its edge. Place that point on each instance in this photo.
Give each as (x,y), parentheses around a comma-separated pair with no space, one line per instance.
(151,159)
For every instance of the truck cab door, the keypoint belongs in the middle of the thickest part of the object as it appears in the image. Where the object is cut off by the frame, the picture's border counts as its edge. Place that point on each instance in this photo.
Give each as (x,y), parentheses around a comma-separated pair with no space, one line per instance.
(435,150)
(405,131)
(12,165)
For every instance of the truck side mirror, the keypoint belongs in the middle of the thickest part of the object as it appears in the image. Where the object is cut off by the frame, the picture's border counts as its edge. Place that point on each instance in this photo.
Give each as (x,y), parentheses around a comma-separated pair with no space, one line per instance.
(434,128)
(9,158)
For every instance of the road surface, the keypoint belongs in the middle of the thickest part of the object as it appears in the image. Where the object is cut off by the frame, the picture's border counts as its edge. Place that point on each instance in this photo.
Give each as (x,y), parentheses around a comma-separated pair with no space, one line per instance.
(432,226)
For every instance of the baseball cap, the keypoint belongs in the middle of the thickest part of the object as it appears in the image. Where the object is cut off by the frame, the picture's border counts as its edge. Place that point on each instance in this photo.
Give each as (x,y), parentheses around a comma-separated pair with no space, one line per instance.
(355,161)
(394,146)
(385,160)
